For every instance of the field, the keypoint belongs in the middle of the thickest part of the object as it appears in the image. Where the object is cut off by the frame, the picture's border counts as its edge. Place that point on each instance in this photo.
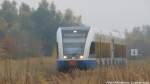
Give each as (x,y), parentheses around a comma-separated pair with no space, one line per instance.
(42,70)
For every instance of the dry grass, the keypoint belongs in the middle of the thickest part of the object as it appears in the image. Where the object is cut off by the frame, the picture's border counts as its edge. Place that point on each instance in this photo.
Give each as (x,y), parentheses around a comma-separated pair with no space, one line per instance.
(42,70)
(135,71)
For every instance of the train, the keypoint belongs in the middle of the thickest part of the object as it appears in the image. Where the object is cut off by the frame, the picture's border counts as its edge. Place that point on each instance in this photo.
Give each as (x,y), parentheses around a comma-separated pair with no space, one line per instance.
(84,48)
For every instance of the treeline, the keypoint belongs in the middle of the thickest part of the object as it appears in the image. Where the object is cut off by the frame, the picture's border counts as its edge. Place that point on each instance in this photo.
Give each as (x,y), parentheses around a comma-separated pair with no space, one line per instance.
(27,31)
(139,38)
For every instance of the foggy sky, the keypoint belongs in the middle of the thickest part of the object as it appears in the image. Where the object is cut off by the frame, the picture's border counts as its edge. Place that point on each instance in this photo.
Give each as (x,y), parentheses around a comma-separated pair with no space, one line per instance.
(106,15)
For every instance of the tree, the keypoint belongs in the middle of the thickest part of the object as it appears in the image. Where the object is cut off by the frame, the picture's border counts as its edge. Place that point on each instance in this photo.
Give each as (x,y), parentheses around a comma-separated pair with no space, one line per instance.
(146,32)
(45,24)
(3,24)
(25,17)
(9,12)
(41,18)
(70,20)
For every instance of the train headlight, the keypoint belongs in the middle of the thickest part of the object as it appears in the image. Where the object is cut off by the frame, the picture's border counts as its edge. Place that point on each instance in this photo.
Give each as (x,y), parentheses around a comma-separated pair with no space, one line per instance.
(75,31)
(65,57)
(81,57)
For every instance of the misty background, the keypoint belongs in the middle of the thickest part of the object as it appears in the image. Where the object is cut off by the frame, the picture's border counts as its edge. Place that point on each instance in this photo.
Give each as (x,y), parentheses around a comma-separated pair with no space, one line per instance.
(28,28)
(105,15)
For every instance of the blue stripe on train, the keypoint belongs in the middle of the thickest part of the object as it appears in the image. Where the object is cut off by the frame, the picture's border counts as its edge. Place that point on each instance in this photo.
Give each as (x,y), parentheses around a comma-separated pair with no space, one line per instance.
(62,65)
(81,64)
(87,64)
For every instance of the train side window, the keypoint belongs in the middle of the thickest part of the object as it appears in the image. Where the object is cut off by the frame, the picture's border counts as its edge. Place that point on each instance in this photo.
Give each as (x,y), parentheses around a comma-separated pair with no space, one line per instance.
(92,49)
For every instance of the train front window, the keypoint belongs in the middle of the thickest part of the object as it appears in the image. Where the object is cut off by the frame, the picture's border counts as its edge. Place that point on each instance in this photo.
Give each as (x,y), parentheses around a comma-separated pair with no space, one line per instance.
(74,42)
(73,49)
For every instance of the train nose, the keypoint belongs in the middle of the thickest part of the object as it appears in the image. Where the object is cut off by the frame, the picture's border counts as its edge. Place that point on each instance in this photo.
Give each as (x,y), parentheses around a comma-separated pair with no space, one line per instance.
(72,63)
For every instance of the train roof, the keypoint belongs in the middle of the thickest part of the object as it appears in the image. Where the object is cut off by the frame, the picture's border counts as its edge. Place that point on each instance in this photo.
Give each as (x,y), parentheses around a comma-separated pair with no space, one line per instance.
(75,27)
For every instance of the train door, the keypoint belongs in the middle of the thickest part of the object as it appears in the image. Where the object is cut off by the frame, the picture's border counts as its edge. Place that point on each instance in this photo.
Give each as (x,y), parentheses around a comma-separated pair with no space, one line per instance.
(92,50)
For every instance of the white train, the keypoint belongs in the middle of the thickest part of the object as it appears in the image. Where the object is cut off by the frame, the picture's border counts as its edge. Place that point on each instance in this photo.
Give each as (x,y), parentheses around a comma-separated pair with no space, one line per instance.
(80,47)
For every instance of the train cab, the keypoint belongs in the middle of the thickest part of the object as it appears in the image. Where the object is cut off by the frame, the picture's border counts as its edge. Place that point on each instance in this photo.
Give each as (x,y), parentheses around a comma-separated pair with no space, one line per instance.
(74,47)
